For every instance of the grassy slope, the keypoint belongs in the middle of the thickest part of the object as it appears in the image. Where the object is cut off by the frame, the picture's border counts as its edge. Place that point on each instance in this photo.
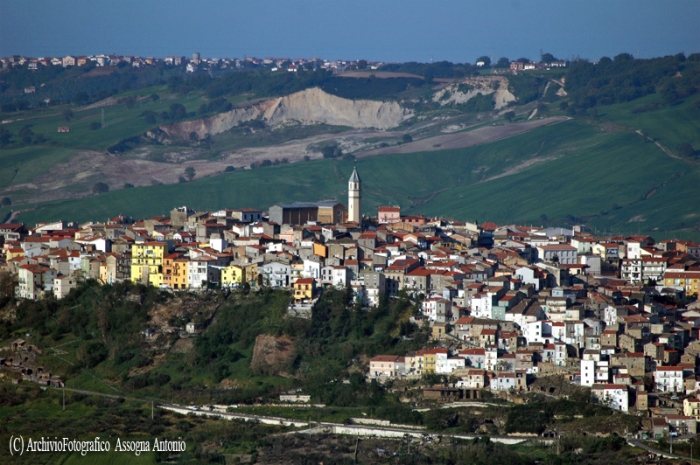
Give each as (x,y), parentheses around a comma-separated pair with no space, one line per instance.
(120,122)
(669,125)
(600,176)
(385,181)
(586,172)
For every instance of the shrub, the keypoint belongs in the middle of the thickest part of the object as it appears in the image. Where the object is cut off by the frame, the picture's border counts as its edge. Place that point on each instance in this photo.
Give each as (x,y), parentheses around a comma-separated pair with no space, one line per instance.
(100,188)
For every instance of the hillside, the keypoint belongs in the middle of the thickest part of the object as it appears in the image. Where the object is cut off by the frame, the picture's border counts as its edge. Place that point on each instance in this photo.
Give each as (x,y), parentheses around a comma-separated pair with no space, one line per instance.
(494,137)
(541,176)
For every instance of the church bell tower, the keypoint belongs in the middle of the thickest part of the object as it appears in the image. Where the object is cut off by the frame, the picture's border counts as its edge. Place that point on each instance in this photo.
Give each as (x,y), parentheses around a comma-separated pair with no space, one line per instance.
(355,197)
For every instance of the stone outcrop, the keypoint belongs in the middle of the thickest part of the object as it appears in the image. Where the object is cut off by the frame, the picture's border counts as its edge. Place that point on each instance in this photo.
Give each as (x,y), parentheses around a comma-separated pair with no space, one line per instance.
(310,106)
(463,91)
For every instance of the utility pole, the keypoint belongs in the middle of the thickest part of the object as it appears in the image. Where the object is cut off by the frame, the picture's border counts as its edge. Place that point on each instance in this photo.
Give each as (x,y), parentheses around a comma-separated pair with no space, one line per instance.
(670,437)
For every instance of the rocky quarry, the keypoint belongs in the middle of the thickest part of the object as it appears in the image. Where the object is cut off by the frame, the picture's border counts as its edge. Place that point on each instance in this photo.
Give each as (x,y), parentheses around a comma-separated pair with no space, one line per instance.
(310,106)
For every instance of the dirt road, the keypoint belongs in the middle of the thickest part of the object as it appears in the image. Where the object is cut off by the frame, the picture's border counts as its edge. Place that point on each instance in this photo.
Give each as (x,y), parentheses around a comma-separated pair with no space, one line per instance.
(459,140)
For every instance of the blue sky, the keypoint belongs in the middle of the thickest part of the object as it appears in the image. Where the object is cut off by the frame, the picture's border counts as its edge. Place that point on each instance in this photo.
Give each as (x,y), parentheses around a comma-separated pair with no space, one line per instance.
(382,30)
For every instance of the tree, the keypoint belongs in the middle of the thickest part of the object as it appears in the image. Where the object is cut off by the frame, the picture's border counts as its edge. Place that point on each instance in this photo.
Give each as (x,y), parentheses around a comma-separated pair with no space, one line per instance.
(155,97)
(95,125)
(548,58)
(177,111)
(67,114)
(523,60)
(129,102)
(229,168)
(5,137)
(190,173)
(407,138)
(509,115)
(100,188)
(26,133)
(5,202)
(362,64)
(685,150)
(503,62)
(485,59)
(128,185)
(81,98)
(331,151)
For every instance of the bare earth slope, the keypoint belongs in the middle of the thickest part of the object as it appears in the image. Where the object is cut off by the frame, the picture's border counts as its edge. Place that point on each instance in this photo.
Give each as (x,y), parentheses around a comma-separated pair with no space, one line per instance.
(310,106)
(458,140)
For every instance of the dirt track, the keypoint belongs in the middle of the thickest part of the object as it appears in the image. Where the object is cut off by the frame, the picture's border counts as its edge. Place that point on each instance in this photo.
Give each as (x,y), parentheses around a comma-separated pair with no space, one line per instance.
(87,167)
(459,140)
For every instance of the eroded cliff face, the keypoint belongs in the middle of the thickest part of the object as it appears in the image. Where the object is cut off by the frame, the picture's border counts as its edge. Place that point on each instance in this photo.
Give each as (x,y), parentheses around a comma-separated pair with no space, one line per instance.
(466,89)
(310,106)
(213,124)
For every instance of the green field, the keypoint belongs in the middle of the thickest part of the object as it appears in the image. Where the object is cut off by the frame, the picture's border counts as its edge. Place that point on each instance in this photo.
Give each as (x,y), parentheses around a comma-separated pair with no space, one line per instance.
(578,172)
(120,122)
(585,170)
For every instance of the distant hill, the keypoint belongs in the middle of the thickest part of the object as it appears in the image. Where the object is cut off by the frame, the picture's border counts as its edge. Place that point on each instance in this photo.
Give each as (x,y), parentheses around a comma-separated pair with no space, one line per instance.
(627,160)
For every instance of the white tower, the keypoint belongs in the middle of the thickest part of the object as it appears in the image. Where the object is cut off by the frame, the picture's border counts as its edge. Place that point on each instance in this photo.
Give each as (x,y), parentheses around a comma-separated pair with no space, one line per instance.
(355,197)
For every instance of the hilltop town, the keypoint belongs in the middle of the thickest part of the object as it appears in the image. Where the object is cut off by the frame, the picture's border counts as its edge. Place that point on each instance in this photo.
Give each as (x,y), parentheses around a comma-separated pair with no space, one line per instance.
(505,305)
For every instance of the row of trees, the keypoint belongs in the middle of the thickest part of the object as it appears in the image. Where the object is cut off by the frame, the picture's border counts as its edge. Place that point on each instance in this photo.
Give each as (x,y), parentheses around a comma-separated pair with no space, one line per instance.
(624,78)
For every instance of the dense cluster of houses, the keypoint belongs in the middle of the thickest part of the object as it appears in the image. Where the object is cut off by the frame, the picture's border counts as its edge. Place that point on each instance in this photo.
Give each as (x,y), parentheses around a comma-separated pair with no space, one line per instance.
(196,62)
(505,303)
(192,64)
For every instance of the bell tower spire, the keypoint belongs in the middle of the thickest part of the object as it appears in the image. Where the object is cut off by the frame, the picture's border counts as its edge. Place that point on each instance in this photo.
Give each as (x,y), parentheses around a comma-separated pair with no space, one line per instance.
(355,197)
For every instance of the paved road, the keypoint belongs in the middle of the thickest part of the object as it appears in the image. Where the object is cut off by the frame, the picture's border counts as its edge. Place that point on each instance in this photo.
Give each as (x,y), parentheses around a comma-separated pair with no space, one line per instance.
(348,429)
(641,445)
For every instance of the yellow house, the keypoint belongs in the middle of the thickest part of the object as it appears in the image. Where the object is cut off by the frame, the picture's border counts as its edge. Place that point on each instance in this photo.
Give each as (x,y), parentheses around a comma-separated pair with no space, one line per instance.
(147,262)
(691,407)
(687,279)
(304,289)
(320,249)
(239,274)
(16,252)
(429,363)
(179,273)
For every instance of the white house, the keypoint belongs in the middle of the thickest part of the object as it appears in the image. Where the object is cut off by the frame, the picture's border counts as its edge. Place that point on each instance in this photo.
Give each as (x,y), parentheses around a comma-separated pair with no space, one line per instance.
(474,357)
(614,396)
(197,273)
(538,331)
(474,379)
(454,363)
(669,379)
(275,274)
(437,309)
(312,269)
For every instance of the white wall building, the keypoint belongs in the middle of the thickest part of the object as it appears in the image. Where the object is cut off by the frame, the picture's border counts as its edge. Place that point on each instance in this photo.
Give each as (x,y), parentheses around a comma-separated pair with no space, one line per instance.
(669,379)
